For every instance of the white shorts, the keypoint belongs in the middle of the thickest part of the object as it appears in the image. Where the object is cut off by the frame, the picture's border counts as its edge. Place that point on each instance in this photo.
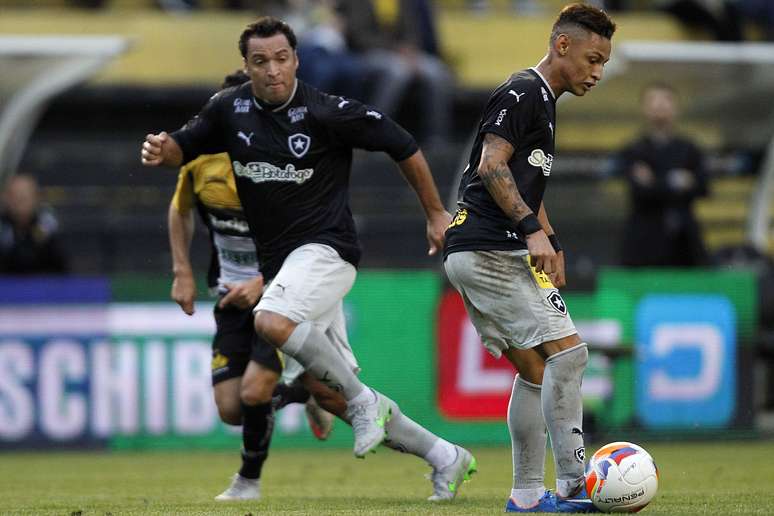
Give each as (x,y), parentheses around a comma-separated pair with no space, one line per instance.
(310,286)
(509,303)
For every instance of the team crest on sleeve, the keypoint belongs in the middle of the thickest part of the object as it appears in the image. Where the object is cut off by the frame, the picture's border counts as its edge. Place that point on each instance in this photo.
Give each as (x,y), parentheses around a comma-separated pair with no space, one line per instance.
(299,144)
(542,160)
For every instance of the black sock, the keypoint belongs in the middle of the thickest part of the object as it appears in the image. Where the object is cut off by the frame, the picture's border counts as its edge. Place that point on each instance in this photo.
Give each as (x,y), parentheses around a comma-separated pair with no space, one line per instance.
(257,426)
(285,394)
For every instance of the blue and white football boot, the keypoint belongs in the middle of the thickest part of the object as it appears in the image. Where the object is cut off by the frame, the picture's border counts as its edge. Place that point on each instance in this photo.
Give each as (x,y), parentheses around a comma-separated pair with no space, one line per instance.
(549,502)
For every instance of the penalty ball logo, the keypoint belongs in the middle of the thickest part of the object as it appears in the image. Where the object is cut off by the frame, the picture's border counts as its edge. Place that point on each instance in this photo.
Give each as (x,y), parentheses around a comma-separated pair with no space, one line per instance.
(626,498)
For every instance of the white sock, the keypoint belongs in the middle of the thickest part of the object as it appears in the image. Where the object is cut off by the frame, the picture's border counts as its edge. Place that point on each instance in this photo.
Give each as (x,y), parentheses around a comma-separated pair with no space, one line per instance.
(314,350)
(442,454)
(528,435)
(407,436)
(363,397)
(526,498)
(563,412)
(569,488)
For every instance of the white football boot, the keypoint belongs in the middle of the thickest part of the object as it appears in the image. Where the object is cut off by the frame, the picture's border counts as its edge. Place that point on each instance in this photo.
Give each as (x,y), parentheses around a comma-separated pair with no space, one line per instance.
(447,481)
(241,488)
(368,421)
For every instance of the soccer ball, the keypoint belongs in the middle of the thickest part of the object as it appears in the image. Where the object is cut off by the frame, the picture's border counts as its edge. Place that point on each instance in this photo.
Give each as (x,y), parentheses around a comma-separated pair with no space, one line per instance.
(621,477)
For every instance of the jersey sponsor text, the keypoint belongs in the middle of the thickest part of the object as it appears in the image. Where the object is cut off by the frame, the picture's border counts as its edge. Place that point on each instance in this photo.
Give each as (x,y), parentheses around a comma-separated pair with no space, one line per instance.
(241,105)
(296,114)
(262,172)
(500,116)
(240,226)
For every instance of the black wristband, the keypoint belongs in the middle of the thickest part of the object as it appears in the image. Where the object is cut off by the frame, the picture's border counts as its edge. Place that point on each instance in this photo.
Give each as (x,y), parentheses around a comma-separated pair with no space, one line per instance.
(529,224)
(555,243)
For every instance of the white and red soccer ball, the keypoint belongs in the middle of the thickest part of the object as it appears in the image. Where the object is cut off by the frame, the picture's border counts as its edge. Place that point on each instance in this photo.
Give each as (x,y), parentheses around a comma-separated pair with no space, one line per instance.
(621,477)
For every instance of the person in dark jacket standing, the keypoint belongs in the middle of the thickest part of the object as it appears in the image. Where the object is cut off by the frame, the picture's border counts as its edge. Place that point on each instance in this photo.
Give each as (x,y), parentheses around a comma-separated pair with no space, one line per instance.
(665,173)
(29,241)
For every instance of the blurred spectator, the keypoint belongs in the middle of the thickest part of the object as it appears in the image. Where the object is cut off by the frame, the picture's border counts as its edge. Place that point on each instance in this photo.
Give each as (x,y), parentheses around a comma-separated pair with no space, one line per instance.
(29,241)
(665,173)
(721,18)
(397,43)
(325,61)
(761,14)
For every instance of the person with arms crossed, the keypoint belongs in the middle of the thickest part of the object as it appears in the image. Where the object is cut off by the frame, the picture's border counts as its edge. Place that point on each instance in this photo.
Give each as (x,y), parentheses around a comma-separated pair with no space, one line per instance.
(665,172)
(291,151)
(504,258)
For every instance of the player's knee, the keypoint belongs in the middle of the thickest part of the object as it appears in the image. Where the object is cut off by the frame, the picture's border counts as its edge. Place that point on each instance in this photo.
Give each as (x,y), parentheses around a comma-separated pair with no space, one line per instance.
(533,373)
(258,390)
(230,411)
(255,395)
(273,328)
(226,395)
(529,363)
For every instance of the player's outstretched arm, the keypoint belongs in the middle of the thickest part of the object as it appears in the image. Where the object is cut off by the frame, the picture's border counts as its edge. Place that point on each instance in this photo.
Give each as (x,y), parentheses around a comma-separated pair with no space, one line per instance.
(161,149)
(558,277)
(417,172)
(498,180)
(181,229)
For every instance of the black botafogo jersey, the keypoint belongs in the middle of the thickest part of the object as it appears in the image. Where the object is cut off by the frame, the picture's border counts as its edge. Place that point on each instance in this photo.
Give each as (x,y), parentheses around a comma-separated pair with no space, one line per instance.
(522,110)
(292,163)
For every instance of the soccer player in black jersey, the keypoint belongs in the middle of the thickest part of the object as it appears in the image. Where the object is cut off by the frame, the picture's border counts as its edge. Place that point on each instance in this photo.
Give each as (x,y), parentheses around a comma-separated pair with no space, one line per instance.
(504,258)
(290,147)
(245,369)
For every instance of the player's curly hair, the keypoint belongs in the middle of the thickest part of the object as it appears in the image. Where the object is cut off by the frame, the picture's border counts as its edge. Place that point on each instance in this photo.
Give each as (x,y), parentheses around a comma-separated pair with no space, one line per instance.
(583,16)
(265,27)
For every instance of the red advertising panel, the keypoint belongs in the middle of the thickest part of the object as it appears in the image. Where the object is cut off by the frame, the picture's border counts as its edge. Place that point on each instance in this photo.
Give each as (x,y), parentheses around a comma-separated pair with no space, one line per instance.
(472,385)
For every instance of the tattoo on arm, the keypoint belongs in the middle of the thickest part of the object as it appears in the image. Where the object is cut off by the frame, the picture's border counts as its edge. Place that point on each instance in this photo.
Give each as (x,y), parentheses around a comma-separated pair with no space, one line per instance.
(498,180)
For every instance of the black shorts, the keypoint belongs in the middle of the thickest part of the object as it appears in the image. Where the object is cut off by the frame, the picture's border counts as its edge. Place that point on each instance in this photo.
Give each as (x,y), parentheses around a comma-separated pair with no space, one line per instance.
(236,343)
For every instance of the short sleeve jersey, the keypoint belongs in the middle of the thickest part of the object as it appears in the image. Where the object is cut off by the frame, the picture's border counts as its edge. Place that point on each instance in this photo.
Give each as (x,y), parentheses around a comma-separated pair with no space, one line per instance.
(207,185)
(292,163)
(522,110)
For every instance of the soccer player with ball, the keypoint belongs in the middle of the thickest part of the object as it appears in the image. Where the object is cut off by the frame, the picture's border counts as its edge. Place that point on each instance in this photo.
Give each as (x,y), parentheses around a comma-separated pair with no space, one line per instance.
(504,258)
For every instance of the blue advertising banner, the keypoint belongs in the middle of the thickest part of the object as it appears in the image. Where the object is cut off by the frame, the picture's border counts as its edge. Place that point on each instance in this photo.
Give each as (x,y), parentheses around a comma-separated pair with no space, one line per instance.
(686,361)
(53,289)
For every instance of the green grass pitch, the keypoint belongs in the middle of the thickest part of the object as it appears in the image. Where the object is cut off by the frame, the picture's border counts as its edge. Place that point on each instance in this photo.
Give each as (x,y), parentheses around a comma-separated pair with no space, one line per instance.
(695,478)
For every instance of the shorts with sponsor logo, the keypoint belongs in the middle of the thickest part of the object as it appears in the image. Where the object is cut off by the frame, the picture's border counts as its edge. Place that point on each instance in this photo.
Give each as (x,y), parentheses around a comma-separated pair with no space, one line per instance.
(310,286)
(236,343)
(509,303)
